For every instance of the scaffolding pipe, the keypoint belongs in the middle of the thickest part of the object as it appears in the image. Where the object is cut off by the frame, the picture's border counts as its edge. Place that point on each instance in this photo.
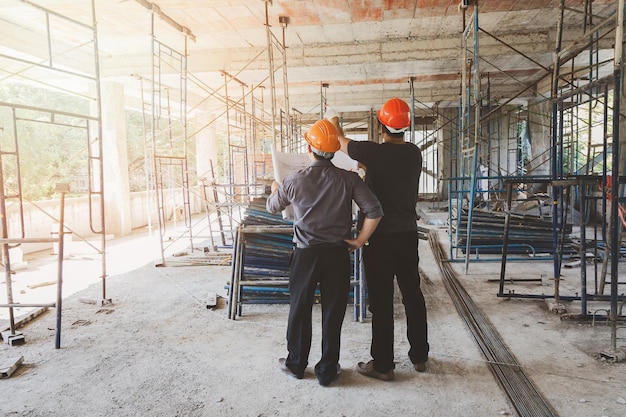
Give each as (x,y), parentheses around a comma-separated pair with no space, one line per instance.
(59,303)
(615,184)
(474,167)
(102,230)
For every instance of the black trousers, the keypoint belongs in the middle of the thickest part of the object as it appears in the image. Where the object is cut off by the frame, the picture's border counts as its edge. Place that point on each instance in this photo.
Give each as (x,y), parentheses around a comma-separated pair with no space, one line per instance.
(392,255)
(330,267)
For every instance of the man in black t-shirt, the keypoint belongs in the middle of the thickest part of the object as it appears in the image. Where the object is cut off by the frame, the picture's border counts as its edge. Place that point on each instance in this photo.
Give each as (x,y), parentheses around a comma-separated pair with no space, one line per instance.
(392,172)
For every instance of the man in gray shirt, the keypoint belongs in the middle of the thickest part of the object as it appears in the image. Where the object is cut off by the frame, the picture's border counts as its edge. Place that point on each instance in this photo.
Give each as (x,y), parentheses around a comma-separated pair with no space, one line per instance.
(321,196)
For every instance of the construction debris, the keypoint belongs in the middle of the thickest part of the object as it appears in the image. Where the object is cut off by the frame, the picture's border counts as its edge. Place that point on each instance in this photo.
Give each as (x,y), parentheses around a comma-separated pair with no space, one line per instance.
(9,366)
(211,300)
(13,338)
(613,356)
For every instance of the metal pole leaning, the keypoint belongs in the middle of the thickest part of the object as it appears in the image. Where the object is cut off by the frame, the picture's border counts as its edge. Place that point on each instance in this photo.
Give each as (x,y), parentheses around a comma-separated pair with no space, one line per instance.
(362,287)
(237,283)
(356,288)
(234,275)
(62,188)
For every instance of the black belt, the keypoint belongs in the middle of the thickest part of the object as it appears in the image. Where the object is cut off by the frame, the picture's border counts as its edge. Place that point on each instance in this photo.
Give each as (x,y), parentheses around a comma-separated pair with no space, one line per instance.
(322,245)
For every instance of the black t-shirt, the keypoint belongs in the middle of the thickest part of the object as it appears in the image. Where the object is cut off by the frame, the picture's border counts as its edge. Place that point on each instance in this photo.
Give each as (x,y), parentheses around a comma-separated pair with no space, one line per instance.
(392,173)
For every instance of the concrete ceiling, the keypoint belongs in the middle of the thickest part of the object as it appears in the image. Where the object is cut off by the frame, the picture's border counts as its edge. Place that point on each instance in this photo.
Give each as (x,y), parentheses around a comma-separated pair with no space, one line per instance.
(363,52)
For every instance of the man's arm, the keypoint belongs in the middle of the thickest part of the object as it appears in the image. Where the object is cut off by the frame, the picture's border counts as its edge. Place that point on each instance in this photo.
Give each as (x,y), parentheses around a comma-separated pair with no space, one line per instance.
(368,227)
(372,210)
(276,202)
(343,140)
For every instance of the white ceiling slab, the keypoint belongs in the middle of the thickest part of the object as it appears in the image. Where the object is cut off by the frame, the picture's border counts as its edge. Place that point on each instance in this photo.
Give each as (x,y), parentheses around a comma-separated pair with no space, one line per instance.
(366,51)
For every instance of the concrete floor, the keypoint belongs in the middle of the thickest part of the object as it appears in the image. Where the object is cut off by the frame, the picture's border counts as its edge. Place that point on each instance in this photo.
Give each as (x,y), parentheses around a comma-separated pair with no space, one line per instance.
(157,350)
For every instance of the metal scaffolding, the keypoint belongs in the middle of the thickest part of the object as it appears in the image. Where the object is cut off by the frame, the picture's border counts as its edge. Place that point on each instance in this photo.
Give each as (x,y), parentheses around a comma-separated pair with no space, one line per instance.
(244,125)
(578,178)
(21,116)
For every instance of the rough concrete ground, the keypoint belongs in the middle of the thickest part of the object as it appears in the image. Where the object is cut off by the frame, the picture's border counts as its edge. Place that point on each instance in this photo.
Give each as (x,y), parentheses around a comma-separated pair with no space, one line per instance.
(158,351)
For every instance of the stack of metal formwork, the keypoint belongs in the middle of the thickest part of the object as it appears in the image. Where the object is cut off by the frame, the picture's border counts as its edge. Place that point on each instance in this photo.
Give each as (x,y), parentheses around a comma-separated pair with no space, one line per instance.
(261,258)
(527,234)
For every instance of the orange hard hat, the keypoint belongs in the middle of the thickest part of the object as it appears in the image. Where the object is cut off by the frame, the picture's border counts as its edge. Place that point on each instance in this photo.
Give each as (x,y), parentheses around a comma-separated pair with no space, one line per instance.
(396,115)
(323,138)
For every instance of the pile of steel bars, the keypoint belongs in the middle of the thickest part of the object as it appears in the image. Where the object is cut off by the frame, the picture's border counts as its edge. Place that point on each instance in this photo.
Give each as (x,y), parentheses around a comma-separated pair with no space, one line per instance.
(520,390)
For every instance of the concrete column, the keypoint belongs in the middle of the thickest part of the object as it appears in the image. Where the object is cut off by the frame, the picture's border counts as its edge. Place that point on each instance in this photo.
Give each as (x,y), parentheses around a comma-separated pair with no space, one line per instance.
(206,145)
(115,161)
(540,113)
(446,125)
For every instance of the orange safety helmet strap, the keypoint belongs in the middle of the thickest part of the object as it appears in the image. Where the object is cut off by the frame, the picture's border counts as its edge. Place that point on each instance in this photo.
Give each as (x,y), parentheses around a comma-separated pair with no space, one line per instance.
(323,138)
(395,115)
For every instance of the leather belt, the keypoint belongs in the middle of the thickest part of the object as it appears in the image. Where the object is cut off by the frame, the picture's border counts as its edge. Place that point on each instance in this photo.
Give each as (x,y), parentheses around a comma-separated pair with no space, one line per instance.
(322,245)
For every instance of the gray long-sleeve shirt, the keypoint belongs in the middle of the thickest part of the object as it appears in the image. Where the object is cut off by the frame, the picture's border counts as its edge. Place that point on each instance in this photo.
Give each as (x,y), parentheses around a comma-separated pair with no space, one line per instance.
(321,196)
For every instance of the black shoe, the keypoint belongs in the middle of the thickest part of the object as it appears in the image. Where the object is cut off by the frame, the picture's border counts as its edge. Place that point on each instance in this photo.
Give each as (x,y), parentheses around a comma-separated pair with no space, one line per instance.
(326,380)
(287,371)
(420,366)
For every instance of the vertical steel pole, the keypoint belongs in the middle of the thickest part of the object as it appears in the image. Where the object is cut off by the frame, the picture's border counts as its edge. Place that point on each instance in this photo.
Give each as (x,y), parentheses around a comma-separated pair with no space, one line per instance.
(59,302)
(615,186)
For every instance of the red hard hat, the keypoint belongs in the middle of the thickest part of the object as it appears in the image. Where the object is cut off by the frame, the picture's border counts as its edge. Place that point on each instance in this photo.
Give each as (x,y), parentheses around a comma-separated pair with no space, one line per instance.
(323,137)
(396,115)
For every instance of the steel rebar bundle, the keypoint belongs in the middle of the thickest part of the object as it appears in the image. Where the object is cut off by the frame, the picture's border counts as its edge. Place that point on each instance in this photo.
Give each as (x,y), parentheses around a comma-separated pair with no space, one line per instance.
(522,393)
